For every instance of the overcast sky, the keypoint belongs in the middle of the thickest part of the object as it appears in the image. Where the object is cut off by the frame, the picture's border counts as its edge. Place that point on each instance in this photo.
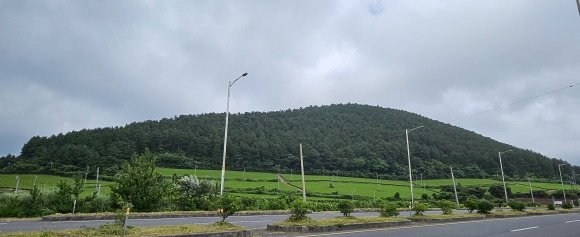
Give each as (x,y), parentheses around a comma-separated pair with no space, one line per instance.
(69,65)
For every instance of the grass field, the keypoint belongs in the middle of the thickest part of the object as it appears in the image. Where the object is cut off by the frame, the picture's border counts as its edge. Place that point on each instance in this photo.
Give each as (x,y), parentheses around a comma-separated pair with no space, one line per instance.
(314,183)
(47,183)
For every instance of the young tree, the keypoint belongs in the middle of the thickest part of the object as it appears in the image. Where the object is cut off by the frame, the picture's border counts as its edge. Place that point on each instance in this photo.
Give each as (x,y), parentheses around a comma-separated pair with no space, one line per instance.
(140,184)
(299,209)
(484,206)
(419,208)
(470,205)
(228,205)
(346,207)
(388,210)
(446,206)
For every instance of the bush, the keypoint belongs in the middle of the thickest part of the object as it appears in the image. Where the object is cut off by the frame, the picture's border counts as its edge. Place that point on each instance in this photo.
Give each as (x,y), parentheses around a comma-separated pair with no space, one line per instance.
(531,204)
(551,206)
(277,204)
(470,205)
(446,206)
(346,207)
(388,210)
(484,206)
(419,208)
(517,205)
(299,209)
(228,205)
(567,206)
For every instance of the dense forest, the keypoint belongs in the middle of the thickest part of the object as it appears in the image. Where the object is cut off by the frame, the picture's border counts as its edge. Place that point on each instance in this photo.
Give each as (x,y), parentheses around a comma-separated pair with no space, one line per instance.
(342,139)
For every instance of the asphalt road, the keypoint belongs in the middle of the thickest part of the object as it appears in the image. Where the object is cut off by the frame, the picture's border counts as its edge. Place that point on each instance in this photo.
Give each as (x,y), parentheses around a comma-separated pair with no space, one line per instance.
(549,225)
(562,225)
(249,221)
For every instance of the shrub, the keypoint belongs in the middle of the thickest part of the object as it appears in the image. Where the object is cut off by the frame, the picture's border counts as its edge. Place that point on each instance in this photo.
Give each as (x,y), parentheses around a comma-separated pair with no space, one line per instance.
(470,205)
(567,206)
(277,204)
(346,207)
(299,209)
(389,210)
(419,208)
(228,205)
(484,206)
(446,206)
(517,205)
(531,204)
(551,206)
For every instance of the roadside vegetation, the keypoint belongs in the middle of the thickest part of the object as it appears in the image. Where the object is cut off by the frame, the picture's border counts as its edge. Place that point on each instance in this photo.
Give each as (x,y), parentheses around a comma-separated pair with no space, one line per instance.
(144,187)
(117,230)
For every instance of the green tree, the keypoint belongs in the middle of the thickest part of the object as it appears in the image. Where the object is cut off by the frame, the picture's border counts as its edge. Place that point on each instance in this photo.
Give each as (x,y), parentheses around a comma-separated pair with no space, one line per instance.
(470,205)
(446,206)
(299,209)
(388,210)
(497,190)
(517,205)
(484,206)
(140,184)
(419,208)
(345,207)
(228,205)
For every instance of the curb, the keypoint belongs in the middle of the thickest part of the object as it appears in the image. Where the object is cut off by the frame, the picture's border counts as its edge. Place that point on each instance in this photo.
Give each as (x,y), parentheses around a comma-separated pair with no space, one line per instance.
(506,216)
(152,216)
(444,220)
(242,233)
(336,227)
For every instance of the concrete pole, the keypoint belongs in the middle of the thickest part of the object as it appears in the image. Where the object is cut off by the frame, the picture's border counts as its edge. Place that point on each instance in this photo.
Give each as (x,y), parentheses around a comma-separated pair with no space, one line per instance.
(454,187)
(562,181)
(531,192)
(302,168)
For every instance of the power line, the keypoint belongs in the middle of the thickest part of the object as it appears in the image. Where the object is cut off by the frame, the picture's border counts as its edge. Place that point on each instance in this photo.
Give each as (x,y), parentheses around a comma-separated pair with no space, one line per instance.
(510,104)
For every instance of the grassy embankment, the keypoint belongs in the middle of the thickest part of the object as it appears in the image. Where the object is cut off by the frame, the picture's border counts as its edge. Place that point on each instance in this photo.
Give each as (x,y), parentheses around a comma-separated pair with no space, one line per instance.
(314,183)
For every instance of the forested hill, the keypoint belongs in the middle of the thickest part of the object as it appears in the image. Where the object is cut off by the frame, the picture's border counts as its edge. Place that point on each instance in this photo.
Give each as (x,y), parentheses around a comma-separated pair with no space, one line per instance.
(351,139)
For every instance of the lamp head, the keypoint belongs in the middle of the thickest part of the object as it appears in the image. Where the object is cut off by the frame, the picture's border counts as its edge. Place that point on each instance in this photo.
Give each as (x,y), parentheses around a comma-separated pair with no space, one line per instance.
(245,74)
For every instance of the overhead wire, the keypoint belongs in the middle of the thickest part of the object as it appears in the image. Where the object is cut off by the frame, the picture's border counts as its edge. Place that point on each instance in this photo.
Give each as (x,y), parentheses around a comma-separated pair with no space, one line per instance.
(513,103)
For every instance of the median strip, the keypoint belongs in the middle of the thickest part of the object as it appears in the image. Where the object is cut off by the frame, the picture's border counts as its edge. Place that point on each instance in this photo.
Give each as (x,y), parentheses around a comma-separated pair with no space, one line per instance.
(529,228)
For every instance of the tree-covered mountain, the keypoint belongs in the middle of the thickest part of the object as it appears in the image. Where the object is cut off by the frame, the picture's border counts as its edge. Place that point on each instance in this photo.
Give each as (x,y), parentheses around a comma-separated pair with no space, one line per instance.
(341,139)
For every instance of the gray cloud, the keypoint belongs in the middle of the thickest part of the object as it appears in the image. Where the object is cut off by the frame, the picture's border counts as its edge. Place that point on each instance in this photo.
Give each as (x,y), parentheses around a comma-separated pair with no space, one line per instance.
(69,65)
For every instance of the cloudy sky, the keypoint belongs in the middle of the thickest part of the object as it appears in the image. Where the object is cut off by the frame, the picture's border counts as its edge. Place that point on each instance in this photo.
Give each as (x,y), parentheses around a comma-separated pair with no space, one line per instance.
(69,65)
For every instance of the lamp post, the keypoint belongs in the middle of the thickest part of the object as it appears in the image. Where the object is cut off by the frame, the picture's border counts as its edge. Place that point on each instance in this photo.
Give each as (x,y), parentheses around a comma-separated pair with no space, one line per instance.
(230,84)
(562,181)
(407,131)
(502,177)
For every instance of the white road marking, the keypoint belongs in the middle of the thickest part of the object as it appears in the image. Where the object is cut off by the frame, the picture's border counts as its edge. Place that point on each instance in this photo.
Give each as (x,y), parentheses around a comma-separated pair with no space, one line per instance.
(529,228)
(571,221)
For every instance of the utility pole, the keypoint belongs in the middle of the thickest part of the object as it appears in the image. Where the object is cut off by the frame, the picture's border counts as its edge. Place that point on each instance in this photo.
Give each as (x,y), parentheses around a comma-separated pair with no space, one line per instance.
(17,182)
(454,188)
(302,168)
(531,192)
(97,184)
(86,173)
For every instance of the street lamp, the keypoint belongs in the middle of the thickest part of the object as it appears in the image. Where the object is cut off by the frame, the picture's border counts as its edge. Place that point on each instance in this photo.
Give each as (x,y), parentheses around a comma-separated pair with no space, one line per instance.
(562,181)
(230,84)
(502,177)
(407,131)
